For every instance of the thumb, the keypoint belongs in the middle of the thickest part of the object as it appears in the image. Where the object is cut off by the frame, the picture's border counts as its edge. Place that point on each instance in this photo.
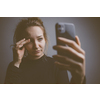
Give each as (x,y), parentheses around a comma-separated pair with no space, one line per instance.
(23,49)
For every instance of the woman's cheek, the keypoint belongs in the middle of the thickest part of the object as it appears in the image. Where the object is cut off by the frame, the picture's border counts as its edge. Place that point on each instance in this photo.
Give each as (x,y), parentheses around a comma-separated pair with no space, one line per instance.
(43,44)
(28,46)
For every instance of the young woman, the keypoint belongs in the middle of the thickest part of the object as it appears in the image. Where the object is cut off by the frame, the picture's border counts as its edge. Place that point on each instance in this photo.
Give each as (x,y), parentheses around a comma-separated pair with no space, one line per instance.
(30,65)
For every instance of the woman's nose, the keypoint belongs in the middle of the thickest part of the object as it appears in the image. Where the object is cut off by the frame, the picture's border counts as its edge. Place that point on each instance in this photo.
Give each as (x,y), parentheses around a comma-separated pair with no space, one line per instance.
(35,45)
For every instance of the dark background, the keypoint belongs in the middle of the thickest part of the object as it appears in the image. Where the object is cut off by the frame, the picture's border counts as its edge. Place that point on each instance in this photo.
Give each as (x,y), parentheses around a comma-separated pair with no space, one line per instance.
(88,30)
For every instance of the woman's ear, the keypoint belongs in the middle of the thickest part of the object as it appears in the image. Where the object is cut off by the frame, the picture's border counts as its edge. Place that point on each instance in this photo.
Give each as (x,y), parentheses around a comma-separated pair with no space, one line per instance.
(78,41)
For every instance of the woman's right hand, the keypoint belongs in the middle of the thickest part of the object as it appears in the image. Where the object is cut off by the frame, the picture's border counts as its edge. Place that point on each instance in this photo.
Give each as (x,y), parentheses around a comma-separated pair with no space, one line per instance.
(18,51)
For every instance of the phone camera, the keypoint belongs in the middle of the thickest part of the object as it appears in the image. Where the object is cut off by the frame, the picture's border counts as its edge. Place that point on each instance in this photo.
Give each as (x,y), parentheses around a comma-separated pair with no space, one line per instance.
(60,28)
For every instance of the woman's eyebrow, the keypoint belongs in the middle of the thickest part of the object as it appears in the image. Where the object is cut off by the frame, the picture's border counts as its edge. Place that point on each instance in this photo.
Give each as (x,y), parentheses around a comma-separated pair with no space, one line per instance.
(40,36)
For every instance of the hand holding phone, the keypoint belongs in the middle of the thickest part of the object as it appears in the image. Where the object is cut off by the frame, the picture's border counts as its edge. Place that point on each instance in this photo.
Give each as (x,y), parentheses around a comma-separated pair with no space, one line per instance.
(72,56)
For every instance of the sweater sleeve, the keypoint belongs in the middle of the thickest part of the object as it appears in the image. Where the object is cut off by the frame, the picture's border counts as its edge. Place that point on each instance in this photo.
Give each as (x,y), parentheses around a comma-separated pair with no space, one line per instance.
(73,82)
(13,75)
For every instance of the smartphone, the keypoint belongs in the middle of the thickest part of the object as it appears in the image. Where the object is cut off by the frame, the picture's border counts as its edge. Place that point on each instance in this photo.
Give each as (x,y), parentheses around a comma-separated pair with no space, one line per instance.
(66,30)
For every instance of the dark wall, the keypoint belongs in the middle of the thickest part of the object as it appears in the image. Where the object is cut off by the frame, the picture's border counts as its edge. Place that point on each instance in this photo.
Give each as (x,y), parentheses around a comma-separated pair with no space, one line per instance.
(88,30)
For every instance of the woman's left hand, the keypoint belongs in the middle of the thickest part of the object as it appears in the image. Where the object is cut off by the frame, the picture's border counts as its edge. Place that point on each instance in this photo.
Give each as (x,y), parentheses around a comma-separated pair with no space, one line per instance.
(73,58)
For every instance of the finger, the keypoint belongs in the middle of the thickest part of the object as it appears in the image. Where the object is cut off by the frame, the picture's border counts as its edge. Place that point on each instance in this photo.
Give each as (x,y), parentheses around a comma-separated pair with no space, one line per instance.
(78,41)
(62,66)
(23,49)
(18,46)
(25,42)
(20,41)
(66,67)
(71,43)
(61,59)
(66,60)
(70,52)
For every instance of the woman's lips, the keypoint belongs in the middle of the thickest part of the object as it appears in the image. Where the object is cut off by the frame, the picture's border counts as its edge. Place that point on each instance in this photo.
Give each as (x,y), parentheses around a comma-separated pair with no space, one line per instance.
(37,51)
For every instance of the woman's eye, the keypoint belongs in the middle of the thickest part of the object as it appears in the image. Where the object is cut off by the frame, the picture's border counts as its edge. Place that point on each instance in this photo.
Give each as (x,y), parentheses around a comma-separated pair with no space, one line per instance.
(40,39)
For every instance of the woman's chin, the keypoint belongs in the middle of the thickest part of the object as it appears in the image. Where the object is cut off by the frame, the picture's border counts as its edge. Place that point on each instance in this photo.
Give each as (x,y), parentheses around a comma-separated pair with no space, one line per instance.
(36,56)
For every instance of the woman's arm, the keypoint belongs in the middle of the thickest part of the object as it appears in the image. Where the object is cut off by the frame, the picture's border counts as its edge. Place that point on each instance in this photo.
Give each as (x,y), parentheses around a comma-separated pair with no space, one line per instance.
(72,60)
(13,75)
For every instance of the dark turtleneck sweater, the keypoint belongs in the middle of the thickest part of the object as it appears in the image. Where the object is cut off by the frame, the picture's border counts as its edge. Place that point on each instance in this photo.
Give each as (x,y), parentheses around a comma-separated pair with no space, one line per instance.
(41,71)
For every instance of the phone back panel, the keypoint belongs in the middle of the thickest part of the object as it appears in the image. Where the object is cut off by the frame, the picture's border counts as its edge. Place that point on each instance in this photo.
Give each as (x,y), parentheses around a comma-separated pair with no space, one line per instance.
(66,30)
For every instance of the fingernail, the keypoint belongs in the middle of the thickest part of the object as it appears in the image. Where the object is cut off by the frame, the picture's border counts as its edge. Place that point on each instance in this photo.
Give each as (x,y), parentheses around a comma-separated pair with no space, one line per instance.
(59,38)
(28,39)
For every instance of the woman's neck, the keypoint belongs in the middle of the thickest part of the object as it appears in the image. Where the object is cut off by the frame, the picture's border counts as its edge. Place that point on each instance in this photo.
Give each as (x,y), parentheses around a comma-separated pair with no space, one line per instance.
(34,57)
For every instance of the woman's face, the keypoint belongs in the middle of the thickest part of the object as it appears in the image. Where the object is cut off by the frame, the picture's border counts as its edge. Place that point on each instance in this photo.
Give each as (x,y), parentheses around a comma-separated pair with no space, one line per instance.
(36,45)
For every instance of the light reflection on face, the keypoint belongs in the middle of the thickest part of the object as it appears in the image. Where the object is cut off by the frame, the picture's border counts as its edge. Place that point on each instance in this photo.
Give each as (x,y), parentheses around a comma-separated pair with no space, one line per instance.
(36,45)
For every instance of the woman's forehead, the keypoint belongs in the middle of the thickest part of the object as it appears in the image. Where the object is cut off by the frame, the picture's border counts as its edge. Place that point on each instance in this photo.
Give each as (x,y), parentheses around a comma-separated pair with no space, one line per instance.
(34,31)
